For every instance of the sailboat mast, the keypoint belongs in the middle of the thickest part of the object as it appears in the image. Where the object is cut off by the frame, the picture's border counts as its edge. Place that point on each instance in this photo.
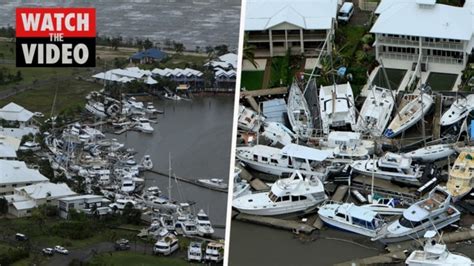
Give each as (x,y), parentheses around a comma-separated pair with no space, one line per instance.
(169,176)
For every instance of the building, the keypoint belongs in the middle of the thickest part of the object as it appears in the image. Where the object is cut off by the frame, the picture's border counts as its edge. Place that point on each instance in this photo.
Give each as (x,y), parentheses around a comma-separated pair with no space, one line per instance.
(8,147)
(85,203)
(302,26)
(25,199)
(126,75)
(187,76)
(15,174)
(423,35)
(16,121)
(148,56)
(224,67)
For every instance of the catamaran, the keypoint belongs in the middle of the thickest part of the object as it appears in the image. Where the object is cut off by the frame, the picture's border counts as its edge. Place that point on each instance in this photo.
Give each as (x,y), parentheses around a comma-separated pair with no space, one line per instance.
(461,179)
(375,112)
(336,103)
(298,112)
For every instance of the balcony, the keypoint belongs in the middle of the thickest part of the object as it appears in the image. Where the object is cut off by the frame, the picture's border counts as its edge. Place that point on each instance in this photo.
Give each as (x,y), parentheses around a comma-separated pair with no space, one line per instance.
(414,58)
(258,38)
(314,37)
(444,45)
(397,41)
(433,45)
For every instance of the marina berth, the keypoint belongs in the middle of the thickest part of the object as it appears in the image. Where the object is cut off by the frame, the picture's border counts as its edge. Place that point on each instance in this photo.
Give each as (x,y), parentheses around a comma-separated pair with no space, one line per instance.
(299,115)
(289,195)
(376,111)
(337,107)
(461,180)
(431,153)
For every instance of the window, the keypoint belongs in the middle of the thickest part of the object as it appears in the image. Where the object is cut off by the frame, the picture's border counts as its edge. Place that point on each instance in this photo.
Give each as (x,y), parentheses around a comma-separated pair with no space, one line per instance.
(274,161)
(285,198)
(14,185)
(302,197)
(340,215)
(295,198)
(264,159)
(255,157)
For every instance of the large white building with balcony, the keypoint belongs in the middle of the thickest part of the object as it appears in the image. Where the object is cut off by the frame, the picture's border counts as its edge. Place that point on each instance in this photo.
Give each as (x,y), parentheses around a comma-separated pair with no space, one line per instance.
(423,35)
(275,26)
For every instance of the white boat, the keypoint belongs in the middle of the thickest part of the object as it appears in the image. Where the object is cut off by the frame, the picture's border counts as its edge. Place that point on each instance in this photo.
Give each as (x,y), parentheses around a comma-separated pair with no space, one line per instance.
(166,245)
(289,195)
(195,252)
(96,108)
(435,253)
(299,115)
(346,138)
(146,162)
(249,120)
(391,166)
(30,146)
(213,182)
(172,96)
(277,133)
(433,212)
(336,103)
(384,207)
(409,115)
(145,127)
(280,162)
(241,187)
(375,112)
(458,110)
(461,176)
(214,252)
(204,226)
(128,185)
(431,153)
(352,218)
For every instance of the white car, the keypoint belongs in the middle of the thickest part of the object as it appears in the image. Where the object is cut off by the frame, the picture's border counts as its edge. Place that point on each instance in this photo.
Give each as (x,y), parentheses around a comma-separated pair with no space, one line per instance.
(61,250)
(38,114)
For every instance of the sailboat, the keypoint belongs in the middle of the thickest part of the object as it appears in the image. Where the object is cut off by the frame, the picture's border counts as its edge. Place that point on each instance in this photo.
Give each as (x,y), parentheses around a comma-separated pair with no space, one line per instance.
(336,103)
(461,176)
(298,112)
(375,112)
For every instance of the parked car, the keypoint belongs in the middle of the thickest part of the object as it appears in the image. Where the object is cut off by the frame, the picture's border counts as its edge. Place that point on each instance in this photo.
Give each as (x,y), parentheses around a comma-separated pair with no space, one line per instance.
(48,251)
(122,244)
(346,11)
(21,237)
(61,250)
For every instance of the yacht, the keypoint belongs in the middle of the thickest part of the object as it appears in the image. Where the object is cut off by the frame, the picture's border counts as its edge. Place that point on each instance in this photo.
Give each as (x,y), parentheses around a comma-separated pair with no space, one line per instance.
(249,120)
(435,253)
(375,112)
(278,134)
(289,195)
(144,127)
(461,179)
(433,212)
(96,108)
(458,110)
(390,167)
(172,96)
(385,207)
(166,245)
(128,185)
(146,162)
(298,112)
(214,252)
(352,218)
(431,153)
(345,138)
(241,186)
(195,252)
(30,146)
(409,115)
(336,103)
(279,162)
(214,183)
(204,226)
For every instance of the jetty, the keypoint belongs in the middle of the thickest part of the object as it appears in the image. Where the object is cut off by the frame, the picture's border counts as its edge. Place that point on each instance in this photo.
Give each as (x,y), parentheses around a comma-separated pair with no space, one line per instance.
(189,181)
(291,225)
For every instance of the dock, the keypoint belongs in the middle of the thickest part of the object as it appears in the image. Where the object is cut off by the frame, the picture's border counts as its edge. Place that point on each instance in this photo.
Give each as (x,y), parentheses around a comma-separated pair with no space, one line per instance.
(291,225)
(264,92)
(255,183)
(189,181)
(340,193)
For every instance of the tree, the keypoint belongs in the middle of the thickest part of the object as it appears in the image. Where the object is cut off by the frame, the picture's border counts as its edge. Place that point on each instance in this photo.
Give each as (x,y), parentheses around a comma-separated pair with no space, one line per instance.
(249,51)
(179,47)
(221,49)
(3,206)
(115,42)
(147,44)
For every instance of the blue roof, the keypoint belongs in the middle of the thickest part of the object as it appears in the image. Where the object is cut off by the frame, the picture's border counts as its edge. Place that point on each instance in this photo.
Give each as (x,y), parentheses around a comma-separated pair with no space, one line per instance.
(152,53)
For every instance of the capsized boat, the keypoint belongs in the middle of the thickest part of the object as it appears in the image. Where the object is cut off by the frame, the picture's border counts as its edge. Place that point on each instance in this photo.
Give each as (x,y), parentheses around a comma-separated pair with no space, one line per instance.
(431,153)
(433,212)
(336,103)
(458,110)
(461,180)
(299,115)
(375,112)
(288,195)
(410,114)
(249,120)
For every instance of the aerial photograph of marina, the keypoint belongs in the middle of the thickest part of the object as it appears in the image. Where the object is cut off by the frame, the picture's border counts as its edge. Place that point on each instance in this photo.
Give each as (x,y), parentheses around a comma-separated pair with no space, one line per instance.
(127,162)
(354,141)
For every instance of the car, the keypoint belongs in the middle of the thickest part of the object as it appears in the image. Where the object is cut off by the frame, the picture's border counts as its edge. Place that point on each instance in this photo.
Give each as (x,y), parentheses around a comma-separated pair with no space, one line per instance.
(346,11)
(21,237)
(122,244)
(38,114)
(48,251)
(61,250)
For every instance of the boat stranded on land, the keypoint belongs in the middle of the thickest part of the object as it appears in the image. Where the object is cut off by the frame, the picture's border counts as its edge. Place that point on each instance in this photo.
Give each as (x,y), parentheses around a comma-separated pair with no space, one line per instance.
(461,176)
(277,133)
(431,153)
(204,226)
(241,187)
(375,112)
(298,113)
(249,120)
(434,212)
(166,245)
(195,251)
(337,109)
(458,110)
(214,252)
(288,195)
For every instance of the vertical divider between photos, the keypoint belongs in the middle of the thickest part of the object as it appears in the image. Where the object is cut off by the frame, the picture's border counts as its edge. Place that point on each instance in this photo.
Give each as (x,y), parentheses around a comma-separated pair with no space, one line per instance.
(234,131)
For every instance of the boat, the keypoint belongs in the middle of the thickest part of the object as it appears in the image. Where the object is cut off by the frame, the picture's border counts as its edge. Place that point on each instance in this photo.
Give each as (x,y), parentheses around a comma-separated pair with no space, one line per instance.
(214,252)
(433,212)
(241,186)
(288,195)
(435,253)
(204,226)
(458,110)
(336,103)
(431,153)
(172,96)
(299,115)
(409,115)
(195,252)
(337,139)
(375,112)
(278,134)
(352,218)
(384,207)
(146,162)
(166,245)
(128,185)
(283,162)
(391,166)
(96,108)
(144,127)
(249,120)
(213,183)
(461,180)
(30,146)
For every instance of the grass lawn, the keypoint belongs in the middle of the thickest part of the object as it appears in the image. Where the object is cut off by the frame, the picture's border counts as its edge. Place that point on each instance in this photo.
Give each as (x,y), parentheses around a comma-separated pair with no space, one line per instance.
(5,50)
(252,80)
(133,258)
(352,35)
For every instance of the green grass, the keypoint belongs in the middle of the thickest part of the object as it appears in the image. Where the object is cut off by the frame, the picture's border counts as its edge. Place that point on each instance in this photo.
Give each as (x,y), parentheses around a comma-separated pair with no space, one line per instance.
(252,80)
(5,50)
(351,38)
(133,258)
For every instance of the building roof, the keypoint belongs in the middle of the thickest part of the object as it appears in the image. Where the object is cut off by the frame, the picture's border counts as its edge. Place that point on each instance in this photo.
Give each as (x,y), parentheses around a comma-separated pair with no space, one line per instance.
(7,151)
(10,141)
(298,151)
(24,205)
(83,197)
(46,189)
(151,53)
(177,72)
(414,19)
(222,73)
(18,172)
(15,112)
(305,14)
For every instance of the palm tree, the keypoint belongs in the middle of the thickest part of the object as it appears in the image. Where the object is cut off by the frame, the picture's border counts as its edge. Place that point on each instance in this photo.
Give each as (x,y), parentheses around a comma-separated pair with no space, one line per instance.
(249,51)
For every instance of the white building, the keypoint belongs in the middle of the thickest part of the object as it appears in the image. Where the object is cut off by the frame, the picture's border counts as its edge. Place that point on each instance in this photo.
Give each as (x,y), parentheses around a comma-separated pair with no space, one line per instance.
(16,121)
(8,147)
(26,198)
(274,26)
(126,75)
(84,203)
(14,174)
(421,35)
